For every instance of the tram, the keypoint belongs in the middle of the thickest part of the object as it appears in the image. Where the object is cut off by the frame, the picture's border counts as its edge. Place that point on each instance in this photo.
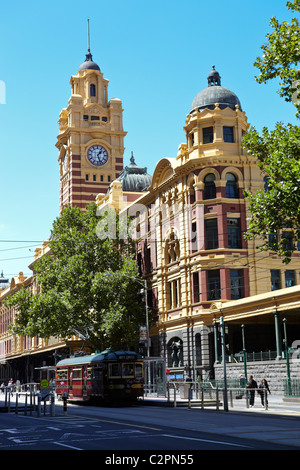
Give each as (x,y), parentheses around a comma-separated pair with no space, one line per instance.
(110,375)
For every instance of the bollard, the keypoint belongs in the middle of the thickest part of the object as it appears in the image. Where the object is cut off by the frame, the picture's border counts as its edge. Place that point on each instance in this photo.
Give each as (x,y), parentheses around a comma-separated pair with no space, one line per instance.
(39,404)
(190,393)
(25,408)
(65,398)
(17,403)
(266,400)
(52,406)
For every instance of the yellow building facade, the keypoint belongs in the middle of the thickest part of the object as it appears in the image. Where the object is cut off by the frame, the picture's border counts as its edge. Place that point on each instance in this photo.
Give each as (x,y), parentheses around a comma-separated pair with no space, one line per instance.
(189,226)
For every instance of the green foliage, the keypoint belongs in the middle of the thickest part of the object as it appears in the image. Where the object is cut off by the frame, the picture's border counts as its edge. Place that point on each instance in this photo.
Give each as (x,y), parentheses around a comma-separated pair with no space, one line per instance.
(86,283)
(276,210)
(281,55)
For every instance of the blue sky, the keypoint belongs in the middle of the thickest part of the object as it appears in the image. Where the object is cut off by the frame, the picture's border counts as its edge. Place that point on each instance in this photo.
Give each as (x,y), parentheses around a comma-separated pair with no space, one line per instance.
(156,56)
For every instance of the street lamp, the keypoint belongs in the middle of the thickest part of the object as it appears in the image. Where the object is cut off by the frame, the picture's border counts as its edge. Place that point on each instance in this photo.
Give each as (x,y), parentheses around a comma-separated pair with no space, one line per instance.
(244,353)
(287,357)
(224,362)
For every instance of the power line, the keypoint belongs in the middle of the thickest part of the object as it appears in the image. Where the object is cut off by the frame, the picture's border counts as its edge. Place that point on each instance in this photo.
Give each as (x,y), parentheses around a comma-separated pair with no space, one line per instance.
(13,259)
(22,241)
(19,248)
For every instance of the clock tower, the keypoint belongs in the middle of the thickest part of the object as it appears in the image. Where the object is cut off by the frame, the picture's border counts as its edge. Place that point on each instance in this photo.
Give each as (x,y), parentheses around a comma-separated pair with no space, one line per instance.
(90,139)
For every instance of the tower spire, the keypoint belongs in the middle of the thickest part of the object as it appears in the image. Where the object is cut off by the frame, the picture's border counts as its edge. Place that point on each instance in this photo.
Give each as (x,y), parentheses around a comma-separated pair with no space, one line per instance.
(88,27)
(88,56)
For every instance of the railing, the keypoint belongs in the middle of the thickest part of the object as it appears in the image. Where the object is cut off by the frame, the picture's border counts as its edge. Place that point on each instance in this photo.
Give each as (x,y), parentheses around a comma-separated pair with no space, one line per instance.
(291,387)
(261,356)
(27,401)
(209,394)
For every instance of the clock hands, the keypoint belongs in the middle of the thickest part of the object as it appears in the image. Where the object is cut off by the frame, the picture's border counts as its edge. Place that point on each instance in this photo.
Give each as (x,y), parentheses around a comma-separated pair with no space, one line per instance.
(97,155)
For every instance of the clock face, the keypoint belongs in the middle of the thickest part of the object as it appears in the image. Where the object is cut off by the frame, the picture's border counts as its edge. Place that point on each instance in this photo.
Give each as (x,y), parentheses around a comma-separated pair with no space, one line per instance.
(97,155)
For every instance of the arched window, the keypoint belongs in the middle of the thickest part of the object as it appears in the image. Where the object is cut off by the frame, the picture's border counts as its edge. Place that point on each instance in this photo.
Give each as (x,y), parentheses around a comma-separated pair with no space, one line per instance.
(209,186)
(92,90)
(231,185)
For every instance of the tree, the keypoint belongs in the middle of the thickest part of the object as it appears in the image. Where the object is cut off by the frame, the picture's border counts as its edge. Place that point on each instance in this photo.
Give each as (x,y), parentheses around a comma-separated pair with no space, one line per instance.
(275,211)
(86,283)
(280,57)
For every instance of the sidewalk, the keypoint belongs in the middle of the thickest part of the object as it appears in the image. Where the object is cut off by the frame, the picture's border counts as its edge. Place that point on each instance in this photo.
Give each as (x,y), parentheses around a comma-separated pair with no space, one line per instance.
(277,404)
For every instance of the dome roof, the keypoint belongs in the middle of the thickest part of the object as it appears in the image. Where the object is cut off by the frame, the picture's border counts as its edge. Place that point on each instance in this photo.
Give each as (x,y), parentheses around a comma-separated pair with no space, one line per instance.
(89,64)
(134,178)
(215,93)
(4,282)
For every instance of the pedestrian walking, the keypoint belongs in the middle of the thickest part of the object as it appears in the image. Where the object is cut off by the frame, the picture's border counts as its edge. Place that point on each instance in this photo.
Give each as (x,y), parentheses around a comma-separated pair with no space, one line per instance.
(263,391)
(252,386)
(10,386)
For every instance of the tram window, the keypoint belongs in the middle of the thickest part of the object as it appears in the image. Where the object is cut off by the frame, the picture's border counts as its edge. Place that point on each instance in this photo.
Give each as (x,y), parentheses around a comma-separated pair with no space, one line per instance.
(88,372)
(62,374)
(127,370)
(138,371)
(77,374)
(115,370)
(97,373)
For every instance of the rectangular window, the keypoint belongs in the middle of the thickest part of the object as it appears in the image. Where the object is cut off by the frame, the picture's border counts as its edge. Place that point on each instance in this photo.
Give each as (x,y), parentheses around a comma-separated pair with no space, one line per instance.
(228,134)
(94,177)
(138,371)
(170,295)
(213,284)
(196,288)
(208,135)
(86,177)
(287,239)
(236,284)
(108,178)
(95,118)
(275,279)
(175,287)
(290,279)
(85,117)
(127,370)
(115,370)
(273,240)
(101,178)
(234,233)
(211,234)
(194,244)
(76,373)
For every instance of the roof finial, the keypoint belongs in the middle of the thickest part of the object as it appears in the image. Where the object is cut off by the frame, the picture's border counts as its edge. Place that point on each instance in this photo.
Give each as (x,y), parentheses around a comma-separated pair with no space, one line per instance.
(214,78)
(88,25)
(132,159)
(88,56)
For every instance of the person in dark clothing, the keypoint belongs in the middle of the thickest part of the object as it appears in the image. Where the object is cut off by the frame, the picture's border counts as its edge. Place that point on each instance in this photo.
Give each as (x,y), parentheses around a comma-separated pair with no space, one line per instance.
(263,390)
(251,385)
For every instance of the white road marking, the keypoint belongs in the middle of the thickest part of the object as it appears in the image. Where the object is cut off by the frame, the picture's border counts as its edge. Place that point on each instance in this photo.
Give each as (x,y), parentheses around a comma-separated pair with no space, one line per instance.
(205,440)
(66,445)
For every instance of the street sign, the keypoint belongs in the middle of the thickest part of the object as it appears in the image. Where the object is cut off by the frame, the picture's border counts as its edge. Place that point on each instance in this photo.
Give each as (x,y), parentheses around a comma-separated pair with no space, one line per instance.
(44,389)
(44,383)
